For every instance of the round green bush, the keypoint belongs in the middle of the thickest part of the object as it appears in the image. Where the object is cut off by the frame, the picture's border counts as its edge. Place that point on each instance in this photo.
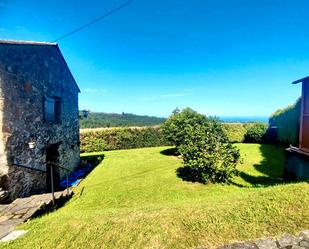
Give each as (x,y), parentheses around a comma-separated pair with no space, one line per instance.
(207,154)
(174,128)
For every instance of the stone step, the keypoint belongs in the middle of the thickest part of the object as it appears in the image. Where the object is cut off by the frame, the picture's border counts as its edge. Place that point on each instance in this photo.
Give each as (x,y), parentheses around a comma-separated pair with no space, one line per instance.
(23,209)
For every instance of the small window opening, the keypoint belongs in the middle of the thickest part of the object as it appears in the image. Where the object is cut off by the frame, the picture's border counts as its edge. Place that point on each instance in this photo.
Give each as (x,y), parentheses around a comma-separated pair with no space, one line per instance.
(52,109)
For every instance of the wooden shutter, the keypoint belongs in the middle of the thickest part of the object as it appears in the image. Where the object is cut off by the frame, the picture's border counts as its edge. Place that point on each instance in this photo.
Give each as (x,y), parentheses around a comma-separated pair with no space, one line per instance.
(49,109)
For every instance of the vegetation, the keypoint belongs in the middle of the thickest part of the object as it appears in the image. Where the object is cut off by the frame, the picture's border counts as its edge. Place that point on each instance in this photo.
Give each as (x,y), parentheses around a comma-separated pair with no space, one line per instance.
(121,138)
(175,127)
(133,199)
(206,157)
(287,121)
(235,131)
(256,133)
(207,154)
(100,120)
(102,139)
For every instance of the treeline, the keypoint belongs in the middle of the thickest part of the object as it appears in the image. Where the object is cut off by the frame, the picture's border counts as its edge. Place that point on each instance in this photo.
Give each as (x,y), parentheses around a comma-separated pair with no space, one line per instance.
(102,120)
(283,128)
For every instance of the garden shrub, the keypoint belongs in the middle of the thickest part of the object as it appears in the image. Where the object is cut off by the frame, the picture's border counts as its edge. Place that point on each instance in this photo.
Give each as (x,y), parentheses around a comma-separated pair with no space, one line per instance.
(174,128)
(256,133)
(235,132)
(287,121)
(207,154)
(121,138)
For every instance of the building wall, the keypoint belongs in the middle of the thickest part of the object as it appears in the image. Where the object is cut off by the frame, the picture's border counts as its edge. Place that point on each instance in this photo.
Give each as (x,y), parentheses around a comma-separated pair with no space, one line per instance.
(28,73)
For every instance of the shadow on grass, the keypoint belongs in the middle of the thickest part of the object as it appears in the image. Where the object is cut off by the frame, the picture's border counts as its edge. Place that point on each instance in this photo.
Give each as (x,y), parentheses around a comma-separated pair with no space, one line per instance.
(170,152)
(93,160)
(272,168)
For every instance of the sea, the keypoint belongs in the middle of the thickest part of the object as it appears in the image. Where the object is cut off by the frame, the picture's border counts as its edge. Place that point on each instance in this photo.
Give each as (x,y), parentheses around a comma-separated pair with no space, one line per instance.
(244,119)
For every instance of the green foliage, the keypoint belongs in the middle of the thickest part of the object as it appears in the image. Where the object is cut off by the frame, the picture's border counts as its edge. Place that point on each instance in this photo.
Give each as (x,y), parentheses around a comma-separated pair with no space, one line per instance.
(101,120)
(287,121)
(92,141)
(235,131)
(207,154)
(174,128)
(121,138)
(256,133)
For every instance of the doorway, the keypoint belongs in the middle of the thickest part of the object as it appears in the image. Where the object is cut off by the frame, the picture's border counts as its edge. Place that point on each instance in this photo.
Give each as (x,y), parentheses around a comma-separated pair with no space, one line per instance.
(52,157)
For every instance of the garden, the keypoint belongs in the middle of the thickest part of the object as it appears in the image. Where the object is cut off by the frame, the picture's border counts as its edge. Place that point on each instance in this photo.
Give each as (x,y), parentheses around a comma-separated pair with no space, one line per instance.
(198,190)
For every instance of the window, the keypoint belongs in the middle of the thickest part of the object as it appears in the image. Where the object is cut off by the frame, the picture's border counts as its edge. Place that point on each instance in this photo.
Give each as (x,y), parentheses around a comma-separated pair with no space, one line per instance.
(52,109)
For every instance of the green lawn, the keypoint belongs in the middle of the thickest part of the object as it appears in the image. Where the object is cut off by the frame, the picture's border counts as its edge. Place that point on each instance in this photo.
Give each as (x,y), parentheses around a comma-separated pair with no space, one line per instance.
(133,199)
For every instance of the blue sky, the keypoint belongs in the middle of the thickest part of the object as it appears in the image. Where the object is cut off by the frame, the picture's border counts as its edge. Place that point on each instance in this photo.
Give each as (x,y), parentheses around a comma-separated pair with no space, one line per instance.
(224,58)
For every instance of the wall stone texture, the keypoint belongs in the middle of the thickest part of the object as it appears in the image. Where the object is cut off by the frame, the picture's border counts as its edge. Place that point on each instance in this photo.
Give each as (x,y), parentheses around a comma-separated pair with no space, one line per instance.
(28,74)
(285,241)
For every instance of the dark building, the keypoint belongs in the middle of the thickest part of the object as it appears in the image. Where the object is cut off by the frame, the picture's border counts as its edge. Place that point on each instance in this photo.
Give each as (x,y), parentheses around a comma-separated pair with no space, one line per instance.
(38,116)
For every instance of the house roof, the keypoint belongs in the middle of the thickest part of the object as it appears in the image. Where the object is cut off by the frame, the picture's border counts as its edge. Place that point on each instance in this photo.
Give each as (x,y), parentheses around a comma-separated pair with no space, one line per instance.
(301,80)
(26,42)
(36,43)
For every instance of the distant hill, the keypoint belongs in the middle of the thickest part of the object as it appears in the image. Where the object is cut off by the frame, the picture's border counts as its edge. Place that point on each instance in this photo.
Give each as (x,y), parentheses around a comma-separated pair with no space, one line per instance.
(100,120)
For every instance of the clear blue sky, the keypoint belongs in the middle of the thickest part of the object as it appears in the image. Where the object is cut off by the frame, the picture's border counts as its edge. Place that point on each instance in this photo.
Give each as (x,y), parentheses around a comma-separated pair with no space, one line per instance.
(218,57)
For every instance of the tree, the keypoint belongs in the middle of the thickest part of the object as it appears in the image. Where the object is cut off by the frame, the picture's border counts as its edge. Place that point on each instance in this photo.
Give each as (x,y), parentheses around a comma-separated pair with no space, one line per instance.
(207,154)
(174,128)
(176,111)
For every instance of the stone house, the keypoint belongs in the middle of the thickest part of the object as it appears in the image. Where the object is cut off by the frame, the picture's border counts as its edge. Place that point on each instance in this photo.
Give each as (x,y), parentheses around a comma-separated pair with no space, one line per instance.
(38,117)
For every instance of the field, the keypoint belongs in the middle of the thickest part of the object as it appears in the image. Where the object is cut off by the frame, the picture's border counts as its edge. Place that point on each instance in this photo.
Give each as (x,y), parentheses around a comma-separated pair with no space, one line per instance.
(134,199)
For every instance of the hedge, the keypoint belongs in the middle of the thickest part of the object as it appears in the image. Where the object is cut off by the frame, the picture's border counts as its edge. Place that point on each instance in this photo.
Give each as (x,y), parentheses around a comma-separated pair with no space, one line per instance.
(256,133)
(287,121)
(93,140)
(246,132)
(102,139)
(235,132)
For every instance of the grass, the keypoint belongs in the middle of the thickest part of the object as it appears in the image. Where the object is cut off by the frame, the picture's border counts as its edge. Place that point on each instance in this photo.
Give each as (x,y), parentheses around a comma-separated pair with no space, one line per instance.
(133,199)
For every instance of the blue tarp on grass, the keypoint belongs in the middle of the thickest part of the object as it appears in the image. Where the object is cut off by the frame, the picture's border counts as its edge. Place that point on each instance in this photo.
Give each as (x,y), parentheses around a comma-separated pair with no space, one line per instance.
(77,175)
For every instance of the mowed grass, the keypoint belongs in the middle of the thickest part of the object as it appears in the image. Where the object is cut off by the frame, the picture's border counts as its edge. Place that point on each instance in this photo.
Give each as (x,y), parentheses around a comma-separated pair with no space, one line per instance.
(134,199)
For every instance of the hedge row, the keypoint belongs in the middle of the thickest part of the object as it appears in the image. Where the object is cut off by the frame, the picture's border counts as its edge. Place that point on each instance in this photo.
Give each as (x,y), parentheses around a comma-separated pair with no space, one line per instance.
(246,133)
(94,140)
(121,138)
(287,122)
(235,132)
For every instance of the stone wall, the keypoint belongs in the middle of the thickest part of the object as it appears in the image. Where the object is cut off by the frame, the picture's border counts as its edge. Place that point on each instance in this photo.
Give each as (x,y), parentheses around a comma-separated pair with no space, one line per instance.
(286,241)
(28,74)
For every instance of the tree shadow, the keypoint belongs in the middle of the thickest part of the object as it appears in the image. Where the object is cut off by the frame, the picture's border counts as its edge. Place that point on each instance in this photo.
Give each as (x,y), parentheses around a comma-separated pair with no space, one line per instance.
(272,168)
(169,152)
(260,180)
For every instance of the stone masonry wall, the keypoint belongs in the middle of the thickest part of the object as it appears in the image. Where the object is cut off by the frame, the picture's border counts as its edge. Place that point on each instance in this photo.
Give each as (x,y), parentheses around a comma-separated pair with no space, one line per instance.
(28,74)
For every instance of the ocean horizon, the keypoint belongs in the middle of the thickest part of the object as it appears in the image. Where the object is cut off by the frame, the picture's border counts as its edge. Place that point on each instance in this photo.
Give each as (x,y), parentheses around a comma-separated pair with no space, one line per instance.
(244,119)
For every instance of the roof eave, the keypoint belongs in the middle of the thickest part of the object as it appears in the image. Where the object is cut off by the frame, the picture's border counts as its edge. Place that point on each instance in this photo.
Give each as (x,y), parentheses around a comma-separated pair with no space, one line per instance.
(305,79)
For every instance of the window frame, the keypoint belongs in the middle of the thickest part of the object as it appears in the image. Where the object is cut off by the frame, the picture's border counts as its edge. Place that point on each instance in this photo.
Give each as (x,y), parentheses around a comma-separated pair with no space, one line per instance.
(52,109)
